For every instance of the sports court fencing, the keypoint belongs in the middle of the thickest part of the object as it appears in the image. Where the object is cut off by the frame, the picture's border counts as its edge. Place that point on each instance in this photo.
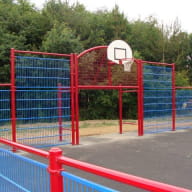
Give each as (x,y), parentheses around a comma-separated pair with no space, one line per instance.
(183,108)
(74,183)
(21,174)
(40,106)
(43,100)
(36,107)
(5,113)
(157,98)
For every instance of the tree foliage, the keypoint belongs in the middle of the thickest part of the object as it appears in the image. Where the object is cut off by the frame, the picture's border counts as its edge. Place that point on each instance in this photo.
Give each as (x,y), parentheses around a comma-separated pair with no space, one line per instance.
(61,40)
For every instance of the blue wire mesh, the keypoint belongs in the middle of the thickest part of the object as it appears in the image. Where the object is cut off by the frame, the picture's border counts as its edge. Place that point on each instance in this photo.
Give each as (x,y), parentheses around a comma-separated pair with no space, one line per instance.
(157,99)
(20,174)
(38,83)
(5,114)
(73,183)
(183,109)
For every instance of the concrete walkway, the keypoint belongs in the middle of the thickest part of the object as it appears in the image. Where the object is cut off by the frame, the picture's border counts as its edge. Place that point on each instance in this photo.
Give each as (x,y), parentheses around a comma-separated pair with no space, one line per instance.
(165,157)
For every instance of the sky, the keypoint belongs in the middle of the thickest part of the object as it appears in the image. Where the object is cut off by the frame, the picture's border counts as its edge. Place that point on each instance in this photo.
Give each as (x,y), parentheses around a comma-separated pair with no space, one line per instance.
(166,11)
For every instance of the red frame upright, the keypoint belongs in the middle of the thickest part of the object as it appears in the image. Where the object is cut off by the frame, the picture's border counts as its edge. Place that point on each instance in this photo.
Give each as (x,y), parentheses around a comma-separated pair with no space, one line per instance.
(76,99)
(173,98)
(13,96)
(59,96)
(140,97)
(72,76)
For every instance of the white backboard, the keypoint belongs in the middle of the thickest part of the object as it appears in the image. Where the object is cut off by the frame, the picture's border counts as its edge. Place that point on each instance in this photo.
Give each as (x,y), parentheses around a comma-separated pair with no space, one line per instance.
(118,50)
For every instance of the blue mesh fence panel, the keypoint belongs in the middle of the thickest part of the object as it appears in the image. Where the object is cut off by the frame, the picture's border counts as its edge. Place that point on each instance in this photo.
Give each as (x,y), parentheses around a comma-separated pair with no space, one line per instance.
(20,174)
(183,109)
(38,111)
(157,98)
(5,114)
(74,183)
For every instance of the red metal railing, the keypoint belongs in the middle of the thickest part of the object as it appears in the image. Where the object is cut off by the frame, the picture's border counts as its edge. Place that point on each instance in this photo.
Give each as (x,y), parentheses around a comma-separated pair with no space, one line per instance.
(41,53)
(5,84)
(157,63)
(56,160)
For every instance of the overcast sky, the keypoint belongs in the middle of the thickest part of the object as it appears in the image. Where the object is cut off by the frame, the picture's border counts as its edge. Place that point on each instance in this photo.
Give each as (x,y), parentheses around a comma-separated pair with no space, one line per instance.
(166,11)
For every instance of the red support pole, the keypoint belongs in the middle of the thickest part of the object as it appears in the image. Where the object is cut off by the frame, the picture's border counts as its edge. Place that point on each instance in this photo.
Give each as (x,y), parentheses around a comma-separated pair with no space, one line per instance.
(77,98)
(109,74)
(59,97)
(42,53)
(72,99)
(120,112)
(56,179)
(140,97)
(5,85)
(173,98)
(101,87)
(13,96)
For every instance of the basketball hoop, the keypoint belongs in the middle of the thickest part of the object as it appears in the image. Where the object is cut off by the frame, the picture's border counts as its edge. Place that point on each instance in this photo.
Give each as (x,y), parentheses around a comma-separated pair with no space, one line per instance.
(120,52)
(128,62)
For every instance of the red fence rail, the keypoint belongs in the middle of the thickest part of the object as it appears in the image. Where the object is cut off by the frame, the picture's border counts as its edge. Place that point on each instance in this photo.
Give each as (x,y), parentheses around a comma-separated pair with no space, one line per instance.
(56,160)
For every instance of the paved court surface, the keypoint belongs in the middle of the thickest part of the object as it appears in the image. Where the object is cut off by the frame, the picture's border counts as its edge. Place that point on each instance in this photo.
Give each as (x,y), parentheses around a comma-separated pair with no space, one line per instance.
(165,157)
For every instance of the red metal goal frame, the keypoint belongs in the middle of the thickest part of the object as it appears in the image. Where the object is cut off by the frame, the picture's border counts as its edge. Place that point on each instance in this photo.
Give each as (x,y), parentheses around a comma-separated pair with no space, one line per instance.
(121,88)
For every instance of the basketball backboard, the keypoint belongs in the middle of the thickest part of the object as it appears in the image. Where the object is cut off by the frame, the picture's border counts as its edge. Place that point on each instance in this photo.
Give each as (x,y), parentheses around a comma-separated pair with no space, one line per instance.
(120,52)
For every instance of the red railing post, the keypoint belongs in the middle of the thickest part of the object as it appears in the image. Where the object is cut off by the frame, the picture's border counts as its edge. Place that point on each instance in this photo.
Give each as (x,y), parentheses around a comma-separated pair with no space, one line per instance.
(13,96)
(77,97)
(173,97)
(59,98)
(56,179)
(140,97)
(120,112)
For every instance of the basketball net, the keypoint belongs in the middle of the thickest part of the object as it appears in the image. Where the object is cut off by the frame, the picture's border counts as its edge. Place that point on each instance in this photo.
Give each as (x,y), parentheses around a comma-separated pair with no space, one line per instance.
(127,64)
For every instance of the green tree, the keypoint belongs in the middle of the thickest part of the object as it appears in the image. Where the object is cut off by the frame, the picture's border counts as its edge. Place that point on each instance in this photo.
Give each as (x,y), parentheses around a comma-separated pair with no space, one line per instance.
(182,79)
(61,39)
(146,37)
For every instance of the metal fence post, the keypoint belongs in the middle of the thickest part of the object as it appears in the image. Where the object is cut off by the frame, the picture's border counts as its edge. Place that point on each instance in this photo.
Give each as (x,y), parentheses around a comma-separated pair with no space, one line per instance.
(120,111)
(13,97)
(56,180)
(77,98)
(140,97)
(173,98)
(59,103)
